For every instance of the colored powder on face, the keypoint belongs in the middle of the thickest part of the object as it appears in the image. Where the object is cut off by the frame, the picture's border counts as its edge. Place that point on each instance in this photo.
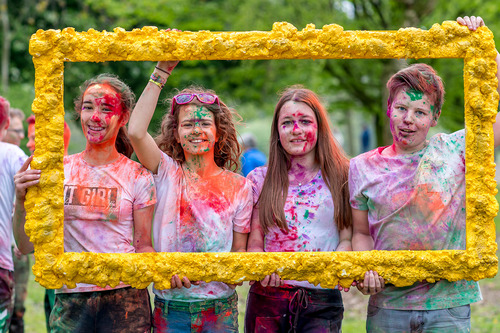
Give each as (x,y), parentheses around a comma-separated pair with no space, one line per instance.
(414,95)
(201,112)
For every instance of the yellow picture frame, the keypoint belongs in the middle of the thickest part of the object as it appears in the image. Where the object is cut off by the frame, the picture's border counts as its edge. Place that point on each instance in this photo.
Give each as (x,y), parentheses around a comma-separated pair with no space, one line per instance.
(52,48)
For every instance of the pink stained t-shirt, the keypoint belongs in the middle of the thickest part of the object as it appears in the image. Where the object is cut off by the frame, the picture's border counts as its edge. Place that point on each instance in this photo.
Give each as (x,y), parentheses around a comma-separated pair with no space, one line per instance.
(416,202)
(199,215)
(99,202)
(309,212)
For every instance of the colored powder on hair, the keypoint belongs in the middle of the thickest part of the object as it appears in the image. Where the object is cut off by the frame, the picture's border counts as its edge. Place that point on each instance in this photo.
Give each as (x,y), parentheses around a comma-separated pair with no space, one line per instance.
(415,95)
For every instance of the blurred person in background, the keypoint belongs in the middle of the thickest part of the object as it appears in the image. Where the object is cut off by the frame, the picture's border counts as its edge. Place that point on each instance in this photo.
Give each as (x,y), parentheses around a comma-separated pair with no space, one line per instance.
(365,139)
(15,132)
(14,135)
(11,160)
(251,157)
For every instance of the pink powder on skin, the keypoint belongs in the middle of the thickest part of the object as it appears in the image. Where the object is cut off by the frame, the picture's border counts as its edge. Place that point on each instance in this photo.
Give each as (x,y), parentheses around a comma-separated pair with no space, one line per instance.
(297,128)
(101,108)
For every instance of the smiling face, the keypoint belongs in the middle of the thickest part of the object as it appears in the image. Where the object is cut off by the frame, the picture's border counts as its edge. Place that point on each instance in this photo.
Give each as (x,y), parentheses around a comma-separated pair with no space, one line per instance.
(101,114)
(196,132)
(411,116)
(298,129)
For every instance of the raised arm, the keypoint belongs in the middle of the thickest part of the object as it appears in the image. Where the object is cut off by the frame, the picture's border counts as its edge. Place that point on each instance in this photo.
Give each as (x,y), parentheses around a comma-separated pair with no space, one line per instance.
(474,22)
(144,145)
(361,238)
(23,179)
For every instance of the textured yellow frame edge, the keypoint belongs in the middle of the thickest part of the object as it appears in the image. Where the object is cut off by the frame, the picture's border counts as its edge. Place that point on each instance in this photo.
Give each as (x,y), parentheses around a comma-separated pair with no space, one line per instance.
(50,49)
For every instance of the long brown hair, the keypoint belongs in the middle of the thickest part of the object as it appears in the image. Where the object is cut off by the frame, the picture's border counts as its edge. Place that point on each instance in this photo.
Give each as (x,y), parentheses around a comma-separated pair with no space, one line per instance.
(331,158)
(127,100)
(227,150)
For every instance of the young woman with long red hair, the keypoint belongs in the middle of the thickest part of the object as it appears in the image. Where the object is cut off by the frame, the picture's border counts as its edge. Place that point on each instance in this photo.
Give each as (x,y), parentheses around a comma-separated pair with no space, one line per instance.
(301,203)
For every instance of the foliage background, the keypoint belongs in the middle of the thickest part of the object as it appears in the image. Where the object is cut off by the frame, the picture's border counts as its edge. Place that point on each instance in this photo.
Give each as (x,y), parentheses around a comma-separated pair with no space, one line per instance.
(347,86)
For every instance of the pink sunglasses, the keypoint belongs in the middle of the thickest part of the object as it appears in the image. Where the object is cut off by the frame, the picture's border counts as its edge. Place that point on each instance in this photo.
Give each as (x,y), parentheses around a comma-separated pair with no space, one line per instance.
(205,98)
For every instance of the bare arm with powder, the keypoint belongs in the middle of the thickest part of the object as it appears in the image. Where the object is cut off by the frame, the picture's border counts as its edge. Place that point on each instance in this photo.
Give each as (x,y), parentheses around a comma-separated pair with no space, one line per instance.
(361,238)
(474,22)
(345,240)
(142,229)
(363,241)
(144,145)
(256,244)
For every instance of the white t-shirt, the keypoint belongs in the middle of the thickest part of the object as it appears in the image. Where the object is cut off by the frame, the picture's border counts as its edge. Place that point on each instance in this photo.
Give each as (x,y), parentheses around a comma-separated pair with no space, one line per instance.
(11,159)
(199,215)
(99,202)
(309,213)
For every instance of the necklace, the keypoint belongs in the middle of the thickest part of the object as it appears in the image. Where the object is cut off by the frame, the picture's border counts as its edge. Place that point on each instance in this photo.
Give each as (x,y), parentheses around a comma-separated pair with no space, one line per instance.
(305,180)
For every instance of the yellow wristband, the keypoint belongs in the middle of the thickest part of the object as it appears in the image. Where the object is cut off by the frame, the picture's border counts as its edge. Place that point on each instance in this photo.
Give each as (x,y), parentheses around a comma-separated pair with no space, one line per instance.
(157,83)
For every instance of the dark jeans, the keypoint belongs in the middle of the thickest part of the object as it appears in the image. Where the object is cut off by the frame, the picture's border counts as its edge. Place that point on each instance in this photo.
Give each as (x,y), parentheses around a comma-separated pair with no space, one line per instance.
(111,311)
(293,309)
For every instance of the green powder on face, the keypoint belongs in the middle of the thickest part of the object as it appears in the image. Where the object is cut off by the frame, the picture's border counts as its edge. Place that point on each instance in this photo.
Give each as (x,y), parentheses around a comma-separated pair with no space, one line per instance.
(415,95)
(201,112)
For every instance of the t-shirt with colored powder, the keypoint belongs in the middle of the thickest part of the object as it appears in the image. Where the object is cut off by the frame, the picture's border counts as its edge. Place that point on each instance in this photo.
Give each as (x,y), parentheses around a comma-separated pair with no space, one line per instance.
(416,202)
(99,202)
(11,159)
(309,214)
(199,215)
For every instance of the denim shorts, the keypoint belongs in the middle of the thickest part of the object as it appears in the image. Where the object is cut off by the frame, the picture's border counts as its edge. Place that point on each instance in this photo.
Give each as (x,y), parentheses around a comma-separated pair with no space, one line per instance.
(216,315)
(118,310)
(293,309)
(456,319)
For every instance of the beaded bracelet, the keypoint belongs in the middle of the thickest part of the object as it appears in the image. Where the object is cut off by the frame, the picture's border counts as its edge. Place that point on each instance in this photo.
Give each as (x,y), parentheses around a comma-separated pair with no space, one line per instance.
(158,80)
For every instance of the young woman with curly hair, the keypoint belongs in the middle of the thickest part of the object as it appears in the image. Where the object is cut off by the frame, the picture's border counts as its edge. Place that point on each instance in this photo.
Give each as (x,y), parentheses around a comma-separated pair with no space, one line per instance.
(202,205)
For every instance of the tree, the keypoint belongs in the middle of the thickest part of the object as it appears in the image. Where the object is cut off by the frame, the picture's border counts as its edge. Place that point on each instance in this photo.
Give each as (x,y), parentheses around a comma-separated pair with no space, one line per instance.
(252,85)
(5,46)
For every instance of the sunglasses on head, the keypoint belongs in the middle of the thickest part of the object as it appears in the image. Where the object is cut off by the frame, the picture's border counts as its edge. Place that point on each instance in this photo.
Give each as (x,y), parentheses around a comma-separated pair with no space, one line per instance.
(205,98)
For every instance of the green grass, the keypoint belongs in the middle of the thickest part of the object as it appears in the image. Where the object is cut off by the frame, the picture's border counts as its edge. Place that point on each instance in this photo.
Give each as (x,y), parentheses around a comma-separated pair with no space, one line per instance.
(34,318)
